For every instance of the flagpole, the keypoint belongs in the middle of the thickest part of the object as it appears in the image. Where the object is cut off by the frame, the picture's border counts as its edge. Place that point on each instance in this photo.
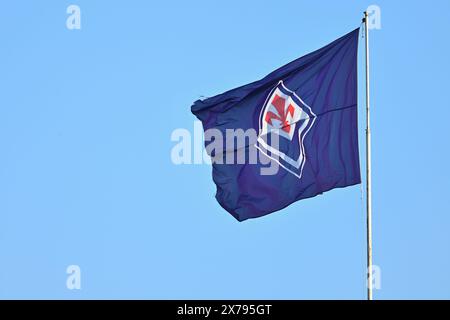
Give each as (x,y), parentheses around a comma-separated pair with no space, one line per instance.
(368,166)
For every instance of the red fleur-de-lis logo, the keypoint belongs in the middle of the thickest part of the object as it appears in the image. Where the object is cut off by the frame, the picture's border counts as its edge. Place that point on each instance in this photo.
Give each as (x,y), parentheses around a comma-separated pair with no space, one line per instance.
(282,113)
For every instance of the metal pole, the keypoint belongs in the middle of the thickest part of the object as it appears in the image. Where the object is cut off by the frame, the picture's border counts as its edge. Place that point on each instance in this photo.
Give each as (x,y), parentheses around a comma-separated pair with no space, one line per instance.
(368,166)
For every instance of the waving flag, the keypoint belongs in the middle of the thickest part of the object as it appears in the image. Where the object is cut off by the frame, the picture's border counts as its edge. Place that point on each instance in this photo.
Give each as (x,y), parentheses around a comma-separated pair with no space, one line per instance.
(304,116)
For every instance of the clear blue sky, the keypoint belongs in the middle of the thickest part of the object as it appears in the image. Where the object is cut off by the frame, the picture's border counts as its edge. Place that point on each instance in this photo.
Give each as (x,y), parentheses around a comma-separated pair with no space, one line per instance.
(86,176)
